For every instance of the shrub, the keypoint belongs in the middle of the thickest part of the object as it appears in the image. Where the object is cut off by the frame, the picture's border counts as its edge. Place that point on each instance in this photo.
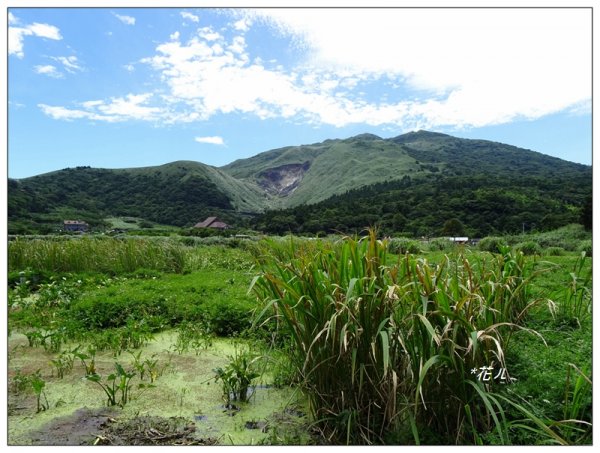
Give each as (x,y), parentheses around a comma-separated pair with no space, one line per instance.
(585,247)
(529,248)
(194,335)
(229,317)
(491,244)
(567,237)
(440,244)
(402,246)
(554,251)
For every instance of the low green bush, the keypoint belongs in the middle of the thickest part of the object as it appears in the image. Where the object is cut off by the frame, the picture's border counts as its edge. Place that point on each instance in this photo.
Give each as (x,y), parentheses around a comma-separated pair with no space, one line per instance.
(529,248)
(554,251)
(491,244)
(402,246)
(440,245)
(585,246)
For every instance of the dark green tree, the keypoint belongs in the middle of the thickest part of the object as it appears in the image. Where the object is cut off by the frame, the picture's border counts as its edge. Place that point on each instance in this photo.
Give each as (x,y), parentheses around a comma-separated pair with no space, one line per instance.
(453,227)
(586,213)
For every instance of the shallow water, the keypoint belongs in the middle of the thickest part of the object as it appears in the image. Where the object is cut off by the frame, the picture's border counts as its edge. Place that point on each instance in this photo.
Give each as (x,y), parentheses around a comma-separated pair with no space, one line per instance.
(186,389)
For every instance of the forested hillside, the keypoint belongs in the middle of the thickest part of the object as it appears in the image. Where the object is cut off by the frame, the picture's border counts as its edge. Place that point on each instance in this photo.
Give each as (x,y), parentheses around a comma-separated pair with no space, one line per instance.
(483,205)
(179,194)
(411,184)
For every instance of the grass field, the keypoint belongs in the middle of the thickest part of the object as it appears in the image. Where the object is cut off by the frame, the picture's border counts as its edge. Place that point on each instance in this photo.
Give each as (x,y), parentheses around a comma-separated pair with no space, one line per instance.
(295,341)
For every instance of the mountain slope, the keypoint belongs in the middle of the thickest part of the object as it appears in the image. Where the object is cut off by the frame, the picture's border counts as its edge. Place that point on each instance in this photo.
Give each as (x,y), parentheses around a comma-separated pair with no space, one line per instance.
(467,156)
(317,172)
(180,193)
(483,205)
(360,168)
(329,168)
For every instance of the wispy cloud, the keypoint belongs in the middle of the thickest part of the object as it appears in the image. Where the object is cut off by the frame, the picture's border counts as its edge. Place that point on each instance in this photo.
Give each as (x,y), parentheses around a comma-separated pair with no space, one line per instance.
(127,20)
(16,34)
(71,64)
(48,70)
(189,16)
(214,140)
(130,107)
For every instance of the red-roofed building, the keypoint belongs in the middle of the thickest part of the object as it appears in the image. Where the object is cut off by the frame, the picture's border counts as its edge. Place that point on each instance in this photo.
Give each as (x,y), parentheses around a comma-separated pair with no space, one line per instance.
(213,222)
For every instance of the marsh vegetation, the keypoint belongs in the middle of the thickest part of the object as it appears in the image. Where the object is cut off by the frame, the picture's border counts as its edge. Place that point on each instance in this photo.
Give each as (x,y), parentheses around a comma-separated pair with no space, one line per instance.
(349,340)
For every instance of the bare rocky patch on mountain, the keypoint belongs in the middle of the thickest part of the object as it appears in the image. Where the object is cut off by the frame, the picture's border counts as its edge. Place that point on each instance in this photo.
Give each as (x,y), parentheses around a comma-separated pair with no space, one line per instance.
(283,180)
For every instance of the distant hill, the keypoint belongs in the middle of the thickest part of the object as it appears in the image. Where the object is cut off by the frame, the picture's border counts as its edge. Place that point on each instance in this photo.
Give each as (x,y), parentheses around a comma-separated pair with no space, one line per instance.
(438,173)
(180,193)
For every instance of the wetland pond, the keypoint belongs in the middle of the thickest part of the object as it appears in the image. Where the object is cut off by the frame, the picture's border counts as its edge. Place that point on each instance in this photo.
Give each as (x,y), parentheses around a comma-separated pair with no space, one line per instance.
(184,405)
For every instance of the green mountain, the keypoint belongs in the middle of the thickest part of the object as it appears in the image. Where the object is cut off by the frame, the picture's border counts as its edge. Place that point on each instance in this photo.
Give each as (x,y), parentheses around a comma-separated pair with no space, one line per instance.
(419,179)
(179,193)
(298,175)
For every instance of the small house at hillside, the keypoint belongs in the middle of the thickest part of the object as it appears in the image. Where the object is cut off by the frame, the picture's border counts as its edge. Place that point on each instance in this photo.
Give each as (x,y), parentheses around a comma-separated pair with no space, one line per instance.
(213,222)
(75,225)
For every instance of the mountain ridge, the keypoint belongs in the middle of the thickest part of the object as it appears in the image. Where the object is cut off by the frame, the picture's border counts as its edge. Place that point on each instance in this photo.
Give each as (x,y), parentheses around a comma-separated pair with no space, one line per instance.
(182,192)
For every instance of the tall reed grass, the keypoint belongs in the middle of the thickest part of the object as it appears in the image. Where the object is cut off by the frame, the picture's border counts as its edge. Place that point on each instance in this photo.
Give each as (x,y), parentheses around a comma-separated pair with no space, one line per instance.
(383,348)
(575,299)
(109,255)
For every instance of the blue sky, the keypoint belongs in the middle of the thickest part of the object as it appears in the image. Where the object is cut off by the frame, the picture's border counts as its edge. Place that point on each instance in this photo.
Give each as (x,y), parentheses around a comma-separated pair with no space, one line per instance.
(118,88)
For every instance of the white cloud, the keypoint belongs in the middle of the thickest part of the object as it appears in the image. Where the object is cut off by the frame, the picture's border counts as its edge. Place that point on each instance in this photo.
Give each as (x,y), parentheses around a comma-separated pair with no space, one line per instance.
(129,67)
(130,107)
(45,31)
(92,104)
(204,79)
(189,16)
(16,35)
(477,66)
(127,20)
(62,113)
(214,140)
(70,63)
(48,70)
(209,34)
(12,20)
(427,68)
(242,25)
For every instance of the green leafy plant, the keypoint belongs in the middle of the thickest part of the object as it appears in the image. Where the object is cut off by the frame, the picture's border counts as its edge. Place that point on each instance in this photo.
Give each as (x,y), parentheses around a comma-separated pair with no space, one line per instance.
(136,334)
(117,386)
(147,365)
(195,335)
(20,382)
(57,337)
(64,362)
(35,338)
(38,384)
(237,376)
(87,360)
